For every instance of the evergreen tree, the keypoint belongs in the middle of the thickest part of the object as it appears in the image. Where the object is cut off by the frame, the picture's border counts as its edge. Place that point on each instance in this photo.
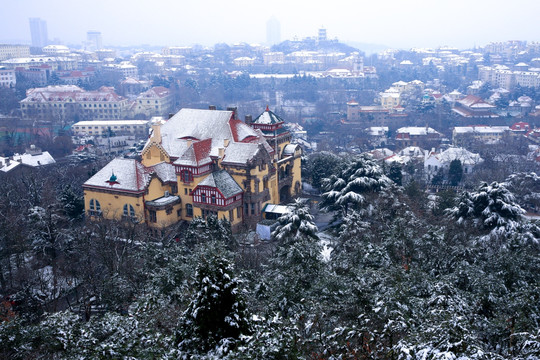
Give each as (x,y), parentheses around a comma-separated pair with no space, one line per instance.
(490,208)
(348,188)
(217,313)
(455,172)
(296,223)
(394,173)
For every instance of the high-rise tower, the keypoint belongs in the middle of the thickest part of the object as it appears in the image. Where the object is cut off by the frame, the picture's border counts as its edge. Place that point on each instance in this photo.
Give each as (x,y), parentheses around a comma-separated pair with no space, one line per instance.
(38,32)
(94,40)
(273,31)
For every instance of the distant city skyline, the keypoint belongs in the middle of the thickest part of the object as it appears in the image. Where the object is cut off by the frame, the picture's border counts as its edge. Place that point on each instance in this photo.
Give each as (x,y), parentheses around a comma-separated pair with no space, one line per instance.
(394,23)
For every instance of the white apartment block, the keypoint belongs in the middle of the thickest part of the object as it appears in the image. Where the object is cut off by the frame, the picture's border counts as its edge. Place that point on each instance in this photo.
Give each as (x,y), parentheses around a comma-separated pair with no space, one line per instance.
(125,69)
(7,78)
(8,51)
(503,77)
(105,127)
(273,57)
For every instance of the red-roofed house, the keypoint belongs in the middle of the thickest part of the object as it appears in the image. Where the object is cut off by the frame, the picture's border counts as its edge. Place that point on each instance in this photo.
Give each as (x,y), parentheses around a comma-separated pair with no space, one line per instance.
(473,106)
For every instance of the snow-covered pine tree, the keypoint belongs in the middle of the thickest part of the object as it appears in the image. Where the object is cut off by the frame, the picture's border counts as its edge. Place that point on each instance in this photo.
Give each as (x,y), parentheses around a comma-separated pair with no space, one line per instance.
(296,223)
(217,313)
(346,190)
(490,208)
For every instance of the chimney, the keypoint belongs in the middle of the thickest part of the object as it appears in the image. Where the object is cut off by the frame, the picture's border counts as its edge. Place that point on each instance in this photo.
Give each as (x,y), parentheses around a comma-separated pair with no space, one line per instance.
(221,152)
(212,107)
(226,142)
(248,120)
(233,109)
(189,142)
(156,133)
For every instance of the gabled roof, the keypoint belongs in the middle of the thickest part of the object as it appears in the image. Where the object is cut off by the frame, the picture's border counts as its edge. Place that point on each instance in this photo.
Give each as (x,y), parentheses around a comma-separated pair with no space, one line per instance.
(241,131)
(223,182)
(268,118)
(472,101)
(130,176)
(155,93)
(457,153)
(197,154)
(195,124)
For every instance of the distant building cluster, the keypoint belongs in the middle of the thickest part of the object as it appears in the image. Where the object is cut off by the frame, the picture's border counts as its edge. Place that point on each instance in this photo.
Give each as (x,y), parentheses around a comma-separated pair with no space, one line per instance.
(63,102)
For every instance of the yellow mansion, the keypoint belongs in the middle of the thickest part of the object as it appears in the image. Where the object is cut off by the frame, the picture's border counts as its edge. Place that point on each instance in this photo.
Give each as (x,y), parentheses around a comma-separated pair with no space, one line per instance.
(200,163)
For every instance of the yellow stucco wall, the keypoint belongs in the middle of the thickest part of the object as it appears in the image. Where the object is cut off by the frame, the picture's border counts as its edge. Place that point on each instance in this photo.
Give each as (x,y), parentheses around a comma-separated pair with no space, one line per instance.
(153,154)
(112,205)
(163,219)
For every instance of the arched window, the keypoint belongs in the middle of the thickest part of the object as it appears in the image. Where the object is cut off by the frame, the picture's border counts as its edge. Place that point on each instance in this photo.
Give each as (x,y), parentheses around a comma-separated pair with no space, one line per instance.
(95,207)
(129,210)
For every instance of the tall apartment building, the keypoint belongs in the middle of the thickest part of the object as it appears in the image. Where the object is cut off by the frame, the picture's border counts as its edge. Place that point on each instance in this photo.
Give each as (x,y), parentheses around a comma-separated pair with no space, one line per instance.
(38,32)
(273,31)
(94,40)
(8,51)
(322,34)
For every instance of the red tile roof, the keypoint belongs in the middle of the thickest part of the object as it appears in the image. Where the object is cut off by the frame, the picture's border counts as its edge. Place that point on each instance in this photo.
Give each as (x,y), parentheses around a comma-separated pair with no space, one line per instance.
(202,149)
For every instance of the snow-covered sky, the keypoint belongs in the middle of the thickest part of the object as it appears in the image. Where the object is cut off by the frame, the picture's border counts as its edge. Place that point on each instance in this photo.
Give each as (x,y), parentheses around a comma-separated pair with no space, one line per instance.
(395,23)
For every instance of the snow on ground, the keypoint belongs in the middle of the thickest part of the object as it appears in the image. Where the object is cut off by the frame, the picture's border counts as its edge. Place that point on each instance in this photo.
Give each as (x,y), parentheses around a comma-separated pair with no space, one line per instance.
(326,242)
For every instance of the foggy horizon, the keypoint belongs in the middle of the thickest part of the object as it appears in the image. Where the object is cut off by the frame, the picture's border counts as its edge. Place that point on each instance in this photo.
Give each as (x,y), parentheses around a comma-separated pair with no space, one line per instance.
(396,24)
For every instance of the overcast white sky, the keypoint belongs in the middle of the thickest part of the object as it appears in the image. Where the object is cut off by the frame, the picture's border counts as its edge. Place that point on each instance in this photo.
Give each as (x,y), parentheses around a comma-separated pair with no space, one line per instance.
(395,23)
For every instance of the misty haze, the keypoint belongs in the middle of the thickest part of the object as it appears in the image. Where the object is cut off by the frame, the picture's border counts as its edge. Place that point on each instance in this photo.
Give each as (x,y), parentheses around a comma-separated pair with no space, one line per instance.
(283,180)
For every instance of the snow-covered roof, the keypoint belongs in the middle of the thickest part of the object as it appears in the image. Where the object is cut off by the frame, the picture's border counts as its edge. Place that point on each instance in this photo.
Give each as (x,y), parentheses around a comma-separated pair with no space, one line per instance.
(412,151)
(194,124)
(35,160)
(223,181)
(377,130)
(110,122)
(475,102)
(6,164)
(457,153)
(268,117)
(277,209)
(197,154)
(240,153)
(290,149)
(381,153)
(165,172)
(130,175)
(417,130)
(481,129)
